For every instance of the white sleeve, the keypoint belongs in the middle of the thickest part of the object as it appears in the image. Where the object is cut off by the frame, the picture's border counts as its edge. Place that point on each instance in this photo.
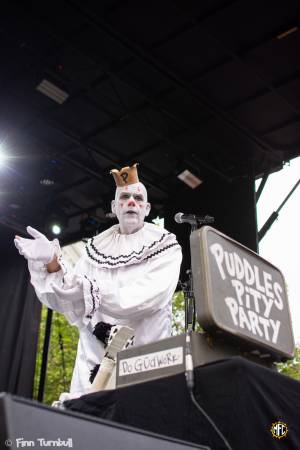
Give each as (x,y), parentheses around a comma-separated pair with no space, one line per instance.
(42,282)
(146,295)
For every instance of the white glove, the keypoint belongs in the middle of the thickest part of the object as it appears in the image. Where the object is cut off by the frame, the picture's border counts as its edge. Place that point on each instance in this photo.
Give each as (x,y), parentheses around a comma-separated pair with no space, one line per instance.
(37,249)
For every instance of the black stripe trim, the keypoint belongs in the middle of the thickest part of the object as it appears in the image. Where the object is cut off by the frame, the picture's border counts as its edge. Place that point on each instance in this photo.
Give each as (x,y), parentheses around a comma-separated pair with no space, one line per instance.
(161,250)
(88,316)
(120,263)
(132,254)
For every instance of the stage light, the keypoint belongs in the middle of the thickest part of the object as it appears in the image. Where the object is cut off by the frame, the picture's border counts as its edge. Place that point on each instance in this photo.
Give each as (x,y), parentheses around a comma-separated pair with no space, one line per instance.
(56,224)
(189,179)
(287,33)
(56,229)
(46,182)
(3,156)
(52,91)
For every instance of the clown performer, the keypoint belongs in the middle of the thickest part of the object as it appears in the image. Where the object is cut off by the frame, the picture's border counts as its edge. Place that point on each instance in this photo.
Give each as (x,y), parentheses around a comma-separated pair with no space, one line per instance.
(126,277)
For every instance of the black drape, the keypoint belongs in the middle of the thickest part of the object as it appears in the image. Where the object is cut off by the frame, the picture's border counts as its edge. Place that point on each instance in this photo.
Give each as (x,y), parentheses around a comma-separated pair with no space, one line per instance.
(243,398)
(232,205)
(19,320)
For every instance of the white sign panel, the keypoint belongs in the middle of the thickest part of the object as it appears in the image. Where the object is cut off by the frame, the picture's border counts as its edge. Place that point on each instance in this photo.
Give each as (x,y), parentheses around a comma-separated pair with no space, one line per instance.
(151,361)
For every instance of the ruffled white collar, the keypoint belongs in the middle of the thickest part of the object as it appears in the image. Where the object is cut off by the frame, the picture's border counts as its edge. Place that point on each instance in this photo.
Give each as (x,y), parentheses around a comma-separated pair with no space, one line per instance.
(111,249)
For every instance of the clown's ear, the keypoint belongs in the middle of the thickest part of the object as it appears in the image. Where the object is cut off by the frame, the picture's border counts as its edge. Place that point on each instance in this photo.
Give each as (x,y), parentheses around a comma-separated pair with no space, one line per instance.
(148,209)
(113,206)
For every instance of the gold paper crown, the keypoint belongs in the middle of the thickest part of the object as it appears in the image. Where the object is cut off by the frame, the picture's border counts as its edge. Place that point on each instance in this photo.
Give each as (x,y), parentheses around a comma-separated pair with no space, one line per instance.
(127,175)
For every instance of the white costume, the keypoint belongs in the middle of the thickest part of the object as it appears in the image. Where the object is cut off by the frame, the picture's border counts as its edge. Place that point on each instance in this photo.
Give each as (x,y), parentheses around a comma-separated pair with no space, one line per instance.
(125,279)
(127,276)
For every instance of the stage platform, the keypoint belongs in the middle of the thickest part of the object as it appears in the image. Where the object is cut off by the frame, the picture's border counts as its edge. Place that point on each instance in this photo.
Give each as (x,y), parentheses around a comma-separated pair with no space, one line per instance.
(243,398)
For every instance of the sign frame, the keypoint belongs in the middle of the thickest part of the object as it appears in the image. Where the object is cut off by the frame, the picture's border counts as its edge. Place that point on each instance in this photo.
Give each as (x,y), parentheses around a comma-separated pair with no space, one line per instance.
(204,291)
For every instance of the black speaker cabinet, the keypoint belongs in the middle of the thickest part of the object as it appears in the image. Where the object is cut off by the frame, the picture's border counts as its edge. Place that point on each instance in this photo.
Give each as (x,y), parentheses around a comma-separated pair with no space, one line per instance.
(28,424)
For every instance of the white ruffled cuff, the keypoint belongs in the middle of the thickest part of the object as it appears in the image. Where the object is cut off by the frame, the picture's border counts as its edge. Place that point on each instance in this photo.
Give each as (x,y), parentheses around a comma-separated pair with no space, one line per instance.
(59,255)
(41,279)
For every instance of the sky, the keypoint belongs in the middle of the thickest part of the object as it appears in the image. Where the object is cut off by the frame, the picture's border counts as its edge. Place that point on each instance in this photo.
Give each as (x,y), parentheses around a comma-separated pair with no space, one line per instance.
(281,244)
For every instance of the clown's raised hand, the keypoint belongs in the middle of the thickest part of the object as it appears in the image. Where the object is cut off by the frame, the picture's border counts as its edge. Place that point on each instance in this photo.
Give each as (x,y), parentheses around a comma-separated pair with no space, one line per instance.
(37,249)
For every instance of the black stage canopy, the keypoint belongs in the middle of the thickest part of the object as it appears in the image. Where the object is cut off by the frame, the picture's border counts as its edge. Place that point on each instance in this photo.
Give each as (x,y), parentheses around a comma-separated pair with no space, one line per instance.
(208,86)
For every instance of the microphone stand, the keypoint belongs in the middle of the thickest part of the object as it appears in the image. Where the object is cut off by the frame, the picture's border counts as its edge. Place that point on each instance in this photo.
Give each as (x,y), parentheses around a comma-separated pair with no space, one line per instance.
(187,287)
(189,302)
(190,322)
(189,298)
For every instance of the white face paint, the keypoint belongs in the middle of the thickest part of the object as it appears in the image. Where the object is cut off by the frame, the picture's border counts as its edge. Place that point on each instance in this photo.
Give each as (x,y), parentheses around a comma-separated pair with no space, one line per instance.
(131,207)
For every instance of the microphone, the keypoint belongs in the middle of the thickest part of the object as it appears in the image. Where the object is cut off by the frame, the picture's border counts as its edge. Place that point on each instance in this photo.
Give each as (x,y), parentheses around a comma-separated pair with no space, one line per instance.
(193,219)
(189,366)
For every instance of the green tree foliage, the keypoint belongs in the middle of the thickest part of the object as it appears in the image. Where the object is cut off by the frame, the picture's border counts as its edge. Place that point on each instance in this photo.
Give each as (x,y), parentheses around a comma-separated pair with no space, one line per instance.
(178,313)
(178,319)
(63,348)
(61,357)
(291,368)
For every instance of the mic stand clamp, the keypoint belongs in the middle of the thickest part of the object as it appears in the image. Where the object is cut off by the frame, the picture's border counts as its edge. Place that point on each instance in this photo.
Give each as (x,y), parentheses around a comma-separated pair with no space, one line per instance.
(189,302)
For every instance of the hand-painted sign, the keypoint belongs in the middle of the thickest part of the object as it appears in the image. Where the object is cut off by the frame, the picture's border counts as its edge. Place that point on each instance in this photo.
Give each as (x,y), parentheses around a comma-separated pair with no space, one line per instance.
(239,292)
(151,361)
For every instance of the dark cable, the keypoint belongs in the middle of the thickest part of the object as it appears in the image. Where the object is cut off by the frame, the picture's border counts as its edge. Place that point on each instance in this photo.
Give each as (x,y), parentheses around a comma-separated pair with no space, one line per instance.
(189,376)
(221,435)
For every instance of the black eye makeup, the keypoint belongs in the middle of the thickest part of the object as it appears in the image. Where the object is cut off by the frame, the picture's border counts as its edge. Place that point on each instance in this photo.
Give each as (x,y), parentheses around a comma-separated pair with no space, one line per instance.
(124,196)
(138,197)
